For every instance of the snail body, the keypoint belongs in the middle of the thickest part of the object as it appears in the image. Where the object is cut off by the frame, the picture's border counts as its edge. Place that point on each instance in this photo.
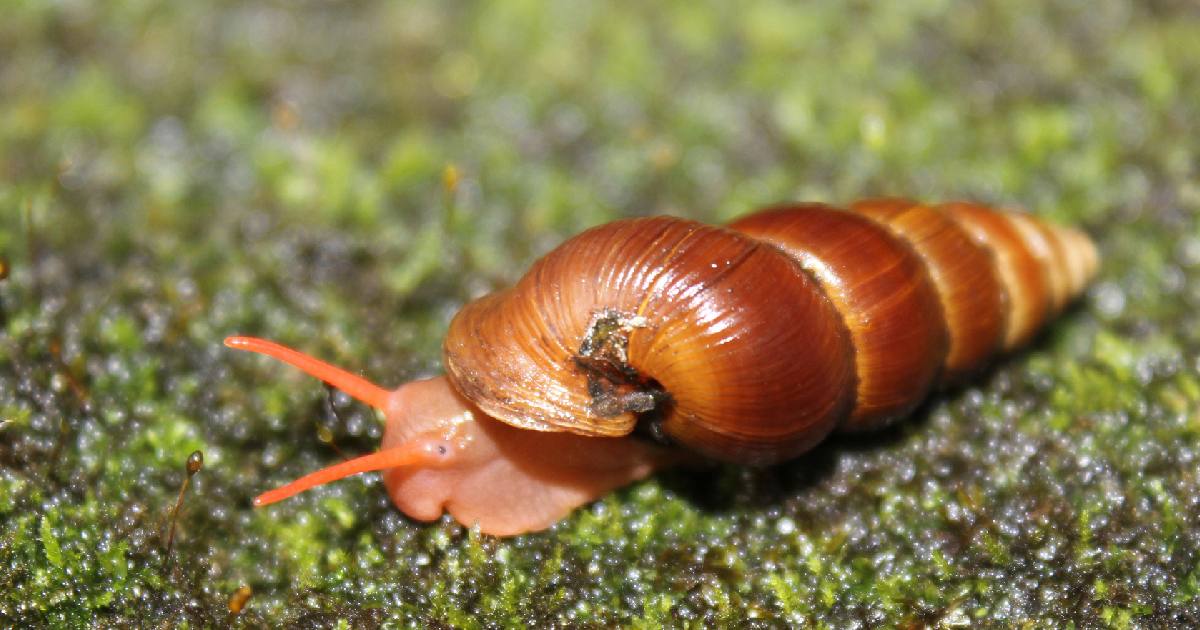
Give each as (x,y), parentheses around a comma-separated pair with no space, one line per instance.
(748,343)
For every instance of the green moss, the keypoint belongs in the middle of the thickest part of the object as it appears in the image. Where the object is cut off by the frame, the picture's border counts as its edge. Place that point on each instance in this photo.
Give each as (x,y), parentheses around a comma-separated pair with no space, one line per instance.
(344,177)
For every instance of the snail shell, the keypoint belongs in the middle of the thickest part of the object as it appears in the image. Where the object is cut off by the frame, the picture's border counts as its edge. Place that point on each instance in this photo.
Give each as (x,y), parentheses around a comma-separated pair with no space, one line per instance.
(752,342)
(747,343)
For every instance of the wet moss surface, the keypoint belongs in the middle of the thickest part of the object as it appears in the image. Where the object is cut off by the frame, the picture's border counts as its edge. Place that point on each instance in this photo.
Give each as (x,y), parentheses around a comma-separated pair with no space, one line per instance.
(342,177)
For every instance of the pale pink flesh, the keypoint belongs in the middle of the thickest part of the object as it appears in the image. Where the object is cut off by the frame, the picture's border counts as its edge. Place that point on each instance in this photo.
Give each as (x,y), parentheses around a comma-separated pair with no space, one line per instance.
(440,453)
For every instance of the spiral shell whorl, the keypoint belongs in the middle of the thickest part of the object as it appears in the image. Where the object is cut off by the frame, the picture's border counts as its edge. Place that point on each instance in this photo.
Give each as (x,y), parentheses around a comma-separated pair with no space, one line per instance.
(968,285)
(673,306)
(883,294)
(750,343)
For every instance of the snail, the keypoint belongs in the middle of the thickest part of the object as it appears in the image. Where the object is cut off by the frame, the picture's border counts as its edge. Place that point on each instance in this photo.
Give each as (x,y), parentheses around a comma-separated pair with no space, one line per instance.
(651,342)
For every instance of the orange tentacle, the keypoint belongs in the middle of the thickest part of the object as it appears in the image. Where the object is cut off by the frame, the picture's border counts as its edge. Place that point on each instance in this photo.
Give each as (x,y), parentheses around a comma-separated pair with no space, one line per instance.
(354,385)
(421,452)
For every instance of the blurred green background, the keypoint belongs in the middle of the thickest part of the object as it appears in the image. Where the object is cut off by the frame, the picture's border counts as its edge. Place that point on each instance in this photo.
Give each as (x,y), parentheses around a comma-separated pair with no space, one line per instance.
(342,176)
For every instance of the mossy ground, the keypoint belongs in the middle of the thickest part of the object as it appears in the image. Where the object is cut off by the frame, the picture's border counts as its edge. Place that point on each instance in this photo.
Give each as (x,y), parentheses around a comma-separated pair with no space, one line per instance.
(342,176)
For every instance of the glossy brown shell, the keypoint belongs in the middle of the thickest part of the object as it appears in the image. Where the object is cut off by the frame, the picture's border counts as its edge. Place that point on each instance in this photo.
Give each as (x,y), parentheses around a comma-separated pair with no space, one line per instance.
(750,343)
